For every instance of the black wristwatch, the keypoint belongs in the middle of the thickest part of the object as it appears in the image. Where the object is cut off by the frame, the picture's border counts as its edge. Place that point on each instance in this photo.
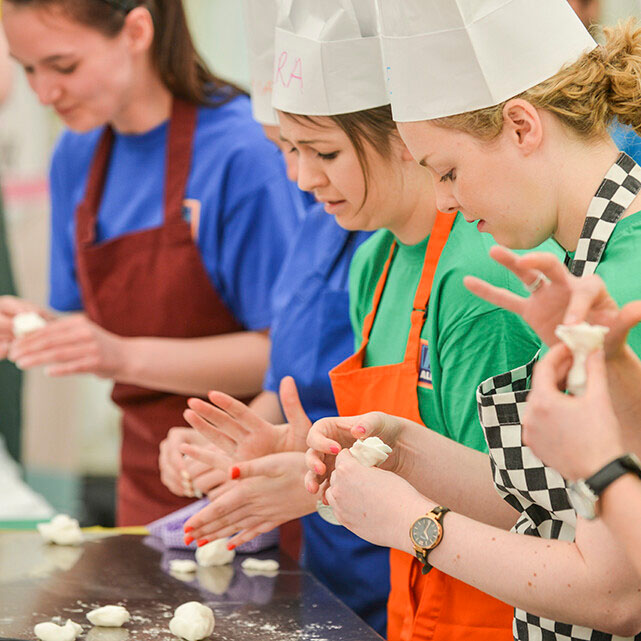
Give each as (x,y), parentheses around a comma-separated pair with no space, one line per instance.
(585,493)
(426,533)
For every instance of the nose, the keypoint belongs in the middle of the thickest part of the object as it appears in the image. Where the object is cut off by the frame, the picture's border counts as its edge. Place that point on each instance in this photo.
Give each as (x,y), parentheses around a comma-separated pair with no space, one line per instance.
(47,90)
(445,200)
(310,176)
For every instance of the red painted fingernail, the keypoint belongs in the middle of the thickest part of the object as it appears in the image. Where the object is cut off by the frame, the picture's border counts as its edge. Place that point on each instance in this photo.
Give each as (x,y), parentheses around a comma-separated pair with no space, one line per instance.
(334,449)
(360,429)
(188,540)
(202,542)
(188,529)
(235,472)
(230,546)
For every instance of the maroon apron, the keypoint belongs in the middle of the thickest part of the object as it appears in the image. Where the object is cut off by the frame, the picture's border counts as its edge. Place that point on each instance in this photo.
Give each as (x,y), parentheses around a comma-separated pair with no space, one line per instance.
(148,283)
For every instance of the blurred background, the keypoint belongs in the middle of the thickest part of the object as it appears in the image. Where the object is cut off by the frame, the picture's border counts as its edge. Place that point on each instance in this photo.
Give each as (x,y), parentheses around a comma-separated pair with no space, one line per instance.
(65,435)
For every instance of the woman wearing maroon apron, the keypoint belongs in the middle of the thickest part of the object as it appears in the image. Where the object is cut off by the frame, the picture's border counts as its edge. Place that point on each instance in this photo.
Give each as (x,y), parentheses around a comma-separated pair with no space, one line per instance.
(170,216)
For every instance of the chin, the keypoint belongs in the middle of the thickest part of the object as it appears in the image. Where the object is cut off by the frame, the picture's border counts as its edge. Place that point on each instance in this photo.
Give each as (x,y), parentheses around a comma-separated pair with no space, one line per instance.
(82,124)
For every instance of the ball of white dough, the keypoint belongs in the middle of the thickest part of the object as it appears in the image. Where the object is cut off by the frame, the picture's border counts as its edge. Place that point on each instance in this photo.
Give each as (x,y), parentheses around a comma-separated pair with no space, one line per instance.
(215,553)
(192,621)
(61,530)
(258,567)
(109,616)
(182,566)
(51,631)
(370,452)
(27,322)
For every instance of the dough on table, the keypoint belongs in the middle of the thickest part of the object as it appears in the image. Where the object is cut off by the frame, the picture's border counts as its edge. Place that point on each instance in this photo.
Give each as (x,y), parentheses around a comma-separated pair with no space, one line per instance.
(50,631)
(582,339)
(27,322)
(109,616)
(192,621)
(182,566)
(215,553)
(257,567)
(61,530)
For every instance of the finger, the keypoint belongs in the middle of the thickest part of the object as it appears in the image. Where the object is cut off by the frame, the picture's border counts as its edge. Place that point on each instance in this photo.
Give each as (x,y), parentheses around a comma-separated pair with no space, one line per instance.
(629,317)
(270,466)
(237,410)
(208,481)
(64,331)
(82,366)
(314,461)
(317,439)
(585,295)
(510,260)
(311,483)
(293,408)
(210,457)
(60,355)
(252,532)
(547,263)
(495,295)
(213,435)
(228,515)
(213,417)
(552,369)
(597,384)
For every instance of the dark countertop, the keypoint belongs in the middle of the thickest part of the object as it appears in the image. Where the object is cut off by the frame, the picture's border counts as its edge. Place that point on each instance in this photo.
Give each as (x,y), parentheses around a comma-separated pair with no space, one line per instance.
(39,582)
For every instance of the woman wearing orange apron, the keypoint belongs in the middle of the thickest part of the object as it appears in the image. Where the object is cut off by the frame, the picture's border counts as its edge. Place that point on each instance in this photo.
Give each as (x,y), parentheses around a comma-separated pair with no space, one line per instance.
(170,218)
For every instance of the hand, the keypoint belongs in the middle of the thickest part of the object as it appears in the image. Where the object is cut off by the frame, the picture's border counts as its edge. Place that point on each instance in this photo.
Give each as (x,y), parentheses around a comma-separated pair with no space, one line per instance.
(11,306)
(184,476)
(560,299)
(375,504)
(329,436)
(268,492)
(71,345)
(575,435)
(243,435)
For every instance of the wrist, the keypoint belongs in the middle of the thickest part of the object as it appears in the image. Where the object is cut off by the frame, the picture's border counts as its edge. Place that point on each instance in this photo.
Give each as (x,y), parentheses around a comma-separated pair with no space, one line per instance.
(419,507)
(127,363)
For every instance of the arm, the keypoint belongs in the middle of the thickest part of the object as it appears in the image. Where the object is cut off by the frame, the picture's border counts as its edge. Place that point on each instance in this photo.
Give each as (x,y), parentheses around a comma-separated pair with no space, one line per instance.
(550,578)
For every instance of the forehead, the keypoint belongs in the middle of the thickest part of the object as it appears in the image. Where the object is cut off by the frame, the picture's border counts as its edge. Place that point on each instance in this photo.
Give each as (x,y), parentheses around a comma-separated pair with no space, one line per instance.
(300,128)
(427,140)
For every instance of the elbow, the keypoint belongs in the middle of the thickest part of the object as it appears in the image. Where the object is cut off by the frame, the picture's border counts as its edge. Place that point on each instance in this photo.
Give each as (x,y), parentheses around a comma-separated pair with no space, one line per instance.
(623,618)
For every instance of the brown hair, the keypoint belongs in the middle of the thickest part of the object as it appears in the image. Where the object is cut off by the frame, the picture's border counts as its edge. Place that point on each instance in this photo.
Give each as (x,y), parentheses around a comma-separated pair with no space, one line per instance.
(375,127)
(179,65)
(603,85)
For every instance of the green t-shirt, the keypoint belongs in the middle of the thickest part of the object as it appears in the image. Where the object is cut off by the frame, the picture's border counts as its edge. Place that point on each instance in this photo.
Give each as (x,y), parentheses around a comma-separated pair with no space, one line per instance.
(468,339)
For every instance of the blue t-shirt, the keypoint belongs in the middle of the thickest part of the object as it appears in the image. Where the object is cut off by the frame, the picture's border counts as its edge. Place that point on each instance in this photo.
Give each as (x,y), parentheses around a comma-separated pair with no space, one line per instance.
(626,139)
(237,187)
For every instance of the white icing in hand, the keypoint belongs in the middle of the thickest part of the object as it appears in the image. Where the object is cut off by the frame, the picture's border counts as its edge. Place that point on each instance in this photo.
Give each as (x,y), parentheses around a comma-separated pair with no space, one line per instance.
(61,530)
(109,616)
(182,566)
(192,621)
(215,553)
(326,513)
(27,322)
(582,339)
(370,452)
(51,631)
(258,567)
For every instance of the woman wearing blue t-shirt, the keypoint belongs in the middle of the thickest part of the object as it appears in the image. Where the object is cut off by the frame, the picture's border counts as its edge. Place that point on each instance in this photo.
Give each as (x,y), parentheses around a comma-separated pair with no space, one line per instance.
(170,215)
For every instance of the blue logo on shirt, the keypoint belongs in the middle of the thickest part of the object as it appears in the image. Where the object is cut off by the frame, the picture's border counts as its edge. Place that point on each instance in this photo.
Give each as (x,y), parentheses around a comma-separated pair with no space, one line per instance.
(425,367)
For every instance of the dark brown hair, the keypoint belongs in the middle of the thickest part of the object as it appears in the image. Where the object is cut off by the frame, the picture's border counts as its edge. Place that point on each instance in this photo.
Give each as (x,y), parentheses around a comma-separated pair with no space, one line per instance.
(370,126)
(179,65)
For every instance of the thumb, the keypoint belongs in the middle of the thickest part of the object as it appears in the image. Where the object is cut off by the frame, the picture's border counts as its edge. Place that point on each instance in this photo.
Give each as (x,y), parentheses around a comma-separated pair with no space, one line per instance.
(629,316)
(270,465)
(597,374)
(293,408)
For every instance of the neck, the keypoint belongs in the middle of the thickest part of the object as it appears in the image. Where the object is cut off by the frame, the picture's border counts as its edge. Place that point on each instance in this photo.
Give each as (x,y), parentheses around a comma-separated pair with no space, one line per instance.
(585,167)
(418,211)
(147,106)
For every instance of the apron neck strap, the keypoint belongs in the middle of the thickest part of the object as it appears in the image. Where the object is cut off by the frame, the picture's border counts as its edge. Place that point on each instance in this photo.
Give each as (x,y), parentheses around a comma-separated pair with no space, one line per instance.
(615,194)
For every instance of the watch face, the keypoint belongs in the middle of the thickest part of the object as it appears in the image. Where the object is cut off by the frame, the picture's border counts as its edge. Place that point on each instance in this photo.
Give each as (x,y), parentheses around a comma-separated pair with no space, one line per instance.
(426,532)
(582,499)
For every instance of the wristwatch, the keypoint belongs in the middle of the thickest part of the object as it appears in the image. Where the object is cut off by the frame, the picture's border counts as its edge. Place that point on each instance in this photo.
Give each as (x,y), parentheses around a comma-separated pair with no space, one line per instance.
(426,533)
(584,493)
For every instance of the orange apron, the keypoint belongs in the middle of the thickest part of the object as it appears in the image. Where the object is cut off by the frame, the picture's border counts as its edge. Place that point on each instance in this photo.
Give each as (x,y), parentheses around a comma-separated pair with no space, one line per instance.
(431,607)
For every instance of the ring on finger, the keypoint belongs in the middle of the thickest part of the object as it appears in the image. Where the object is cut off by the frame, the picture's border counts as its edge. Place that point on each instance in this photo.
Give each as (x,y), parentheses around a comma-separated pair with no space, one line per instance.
(540,279)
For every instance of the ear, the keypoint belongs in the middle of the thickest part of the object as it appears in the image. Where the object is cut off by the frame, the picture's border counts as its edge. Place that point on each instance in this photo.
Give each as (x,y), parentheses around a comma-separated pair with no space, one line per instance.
(139,30)
(522,125)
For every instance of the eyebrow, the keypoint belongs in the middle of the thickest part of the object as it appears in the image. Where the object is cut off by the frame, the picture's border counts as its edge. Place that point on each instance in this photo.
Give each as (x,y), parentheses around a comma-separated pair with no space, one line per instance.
(47,61)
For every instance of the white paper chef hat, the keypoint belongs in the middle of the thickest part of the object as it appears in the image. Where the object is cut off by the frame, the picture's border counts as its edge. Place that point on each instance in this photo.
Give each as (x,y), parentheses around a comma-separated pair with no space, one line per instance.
(444,57)
(260,23)
(327,57)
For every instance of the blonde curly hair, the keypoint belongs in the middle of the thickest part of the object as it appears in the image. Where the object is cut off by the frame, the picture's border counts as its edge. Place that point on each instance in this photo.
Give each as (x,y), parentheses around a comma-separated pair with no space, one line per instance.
(603,85)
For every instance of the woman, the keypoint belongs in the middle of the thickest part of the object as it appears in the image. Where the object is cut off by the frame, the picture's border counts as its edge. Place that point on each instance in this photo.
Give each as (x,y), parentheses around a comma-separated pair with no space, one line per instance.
(174,275)
(414,359)
(569,578)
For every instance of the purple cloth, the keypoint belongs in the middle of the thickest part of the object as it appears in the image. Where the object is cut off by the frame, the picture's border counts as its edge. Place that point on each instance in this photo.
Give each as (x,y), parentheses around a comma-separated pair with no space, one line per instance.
(169,529)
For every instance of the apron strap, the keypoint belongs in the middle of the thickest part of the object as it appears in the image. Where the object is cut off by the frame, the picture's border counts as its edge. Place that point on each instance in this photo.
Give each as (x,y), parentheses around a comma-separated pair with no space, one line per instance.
(438,239)
(615,194)
(180,137)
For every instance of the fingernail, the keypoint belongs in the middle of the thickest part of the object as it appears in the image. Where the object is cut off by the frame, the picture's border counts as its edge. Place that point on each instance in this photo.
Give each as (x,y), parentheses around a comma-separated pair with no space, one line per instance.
(202,542)
(360,429)
(334,449)
(231,546)
(188,539)
(235,472)
(188,529)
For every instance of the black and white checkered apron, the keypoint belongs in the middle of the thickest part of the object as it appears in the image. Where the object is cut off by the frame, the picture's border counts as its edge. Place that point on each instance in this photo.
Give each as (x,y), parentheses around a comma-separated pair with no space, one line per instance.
(538,492)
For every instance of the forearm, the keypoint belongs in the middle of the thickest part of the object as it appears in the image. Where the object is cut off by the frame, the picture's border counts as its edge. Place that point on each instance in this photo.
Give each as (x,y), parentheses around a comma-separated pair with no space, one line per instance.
(621,512)
(451,474)
(549,578)
(624,382)
(231,363)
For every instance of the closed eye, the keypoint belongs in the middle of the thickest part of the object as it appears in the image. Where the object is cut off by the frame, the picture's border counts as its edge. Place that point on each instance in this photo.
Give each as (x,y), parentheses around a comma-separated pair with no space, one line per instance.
(330,156)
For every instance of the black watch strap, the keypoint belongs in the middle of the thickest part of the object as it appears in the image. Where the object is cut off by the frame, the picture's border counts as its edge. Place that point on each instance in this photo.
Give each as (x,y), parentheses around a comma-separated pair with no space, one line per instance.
(439,512)
(609,473)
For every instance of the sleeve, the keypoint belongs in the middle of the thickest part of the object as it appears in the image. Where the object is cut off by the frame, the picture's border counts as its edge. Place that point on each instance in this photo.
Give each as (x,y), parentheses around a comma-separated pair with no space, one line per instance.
(483,346)
(64,292)
(258,226)
(269,383)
